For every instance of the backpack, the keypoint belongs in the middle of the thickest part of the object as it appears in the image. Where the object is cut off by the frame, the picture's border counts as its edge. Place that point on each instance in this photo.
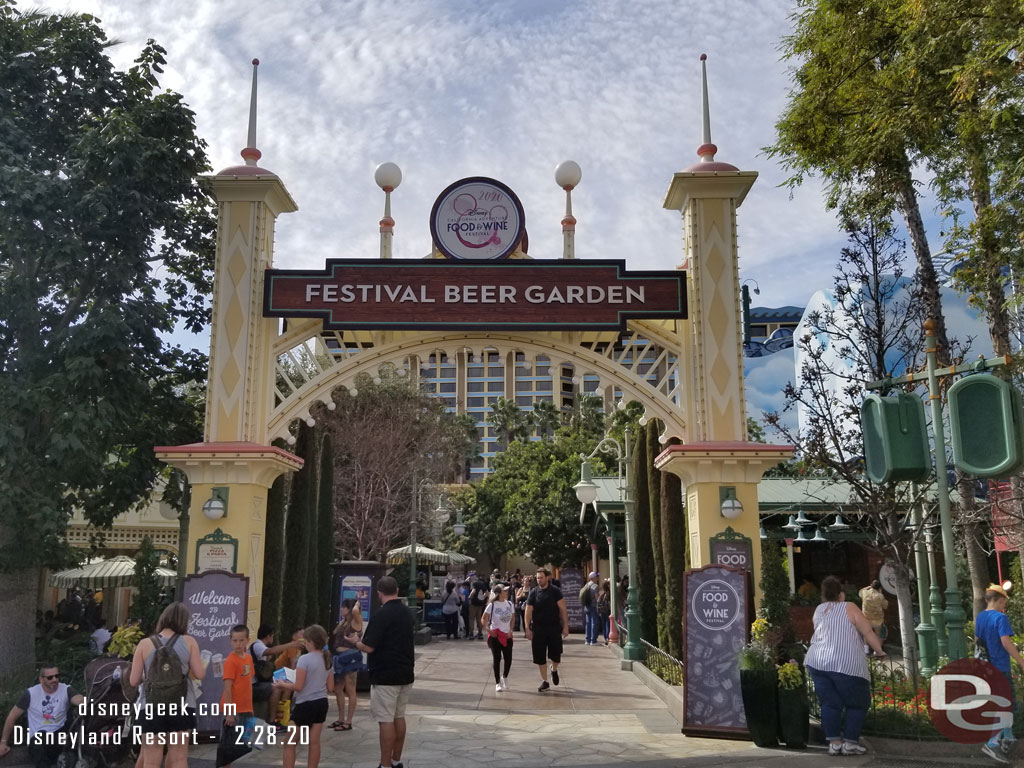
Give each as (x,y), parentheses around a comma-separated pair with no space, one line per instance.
(586,595)
(263,669)
(166,682)
(479,597)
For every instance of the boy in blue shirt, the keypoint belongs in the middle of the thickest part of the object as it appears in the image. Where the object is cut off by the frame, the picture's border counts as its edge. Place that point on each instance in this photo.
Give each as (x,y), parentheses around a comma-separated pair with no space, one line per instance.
(992,632)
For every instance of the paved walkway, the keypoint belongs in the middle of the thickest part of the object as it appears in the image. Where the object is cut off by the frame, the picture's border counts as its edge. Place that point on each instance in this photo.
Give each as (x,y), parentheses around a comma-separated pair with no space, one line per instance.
(598,717)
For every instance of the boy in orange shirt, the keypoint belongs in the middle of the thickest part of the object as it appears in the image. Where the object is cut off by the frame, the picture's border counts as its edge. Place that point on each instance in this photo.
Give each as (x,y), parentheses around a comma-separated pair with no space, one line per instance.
(238,675)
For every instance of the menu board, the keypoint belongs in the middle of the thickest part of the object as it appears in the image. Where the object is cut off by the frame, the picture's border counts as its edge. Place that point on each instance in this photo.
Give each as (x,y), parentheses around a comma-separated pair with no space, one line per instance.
(571,580)
(718,616)
(216,601)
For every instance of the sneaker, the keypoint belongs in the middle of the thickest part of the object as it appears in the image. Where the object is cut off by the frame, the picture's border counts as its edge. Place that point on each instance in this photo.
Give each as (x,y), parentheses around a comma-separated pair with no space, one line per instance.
(995,753)
(1006,745)
(543,687)
(853,748)
(835,748)
(554,676)
(504,684)
(498,688)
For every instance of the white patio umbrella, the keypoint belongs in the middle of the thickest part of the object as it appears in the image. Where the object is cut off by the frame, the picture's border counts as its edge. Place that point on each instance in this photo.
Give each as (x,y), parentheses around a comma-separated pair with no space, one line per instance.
(423,555)
(107,574)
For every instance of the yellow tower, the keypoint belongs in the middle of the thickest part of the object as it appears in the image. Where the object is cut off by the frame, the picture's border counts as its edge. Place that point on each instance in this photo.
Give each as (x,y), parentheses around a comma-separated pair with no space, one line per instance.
(234,464)
(717,465)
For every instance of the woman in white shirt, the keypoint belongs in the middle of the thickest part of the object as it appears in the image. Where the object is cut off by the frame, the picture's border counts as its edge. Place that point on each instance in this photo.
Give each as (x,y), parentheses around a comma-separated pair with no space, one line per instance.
(497,621)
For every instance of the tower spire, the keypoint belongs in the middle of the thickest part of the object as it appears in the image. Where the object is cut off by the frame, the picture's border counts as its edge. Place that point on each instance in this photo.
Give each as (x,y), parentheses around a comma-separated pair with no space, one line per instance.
(251,154)
(706,151)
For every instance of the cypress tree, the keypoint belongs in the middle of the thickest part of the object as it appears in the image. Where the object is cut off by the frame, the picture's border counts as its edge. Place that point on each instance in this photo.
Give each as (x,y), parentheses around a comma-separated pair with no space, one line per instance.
(651,433)
(774,586)
(674,541)
(297,535)
(325,532)
(643,552)
(273,553)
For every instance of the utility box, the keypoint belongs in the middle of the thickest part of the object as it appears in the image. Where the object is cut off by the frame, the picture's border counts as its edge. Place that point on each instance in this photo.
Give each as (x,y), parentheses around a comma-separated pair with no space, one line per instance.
(895,438)
(985,426)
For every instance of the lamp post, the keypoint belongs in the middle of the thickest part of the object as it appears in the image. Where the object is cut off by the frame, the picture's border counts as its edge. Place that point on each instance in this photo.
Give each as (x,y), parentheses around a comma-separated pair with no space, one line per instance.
(586,492)
(412,541)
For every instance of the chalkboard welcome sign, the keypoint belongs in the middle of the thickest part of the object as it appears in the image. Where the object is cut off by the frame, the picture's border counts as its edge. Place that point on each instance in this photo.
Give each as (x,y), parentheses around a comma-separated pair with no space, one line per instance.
(216,602)
(718,615)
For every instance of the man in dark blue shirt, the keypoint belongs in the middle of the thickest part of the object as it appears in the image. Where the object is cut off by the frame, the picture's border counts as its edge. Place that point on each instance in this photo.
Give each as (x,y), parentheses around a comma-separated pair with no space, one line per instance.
(993,635)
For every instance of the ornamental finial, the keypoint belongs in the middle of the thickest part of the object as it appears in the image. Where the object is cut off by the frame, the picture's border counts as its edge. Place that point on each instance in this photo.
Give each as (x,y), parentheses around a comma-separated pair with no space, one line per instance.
(250,154)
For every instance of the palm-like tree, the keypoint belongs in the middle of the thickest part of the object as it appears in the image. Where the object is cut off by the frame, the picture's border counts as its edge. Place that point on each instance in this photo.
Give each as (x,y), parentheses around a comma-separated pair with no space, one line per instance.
(509,421)
(587,414)
(547,417)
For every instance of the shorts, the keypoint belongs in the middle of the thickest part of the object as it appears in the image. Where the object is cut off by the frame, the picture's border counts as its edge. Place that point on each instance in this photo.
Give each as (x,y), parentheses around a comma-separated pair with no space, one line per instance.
(387,702)
(546,645)
(149,721)
(309,712)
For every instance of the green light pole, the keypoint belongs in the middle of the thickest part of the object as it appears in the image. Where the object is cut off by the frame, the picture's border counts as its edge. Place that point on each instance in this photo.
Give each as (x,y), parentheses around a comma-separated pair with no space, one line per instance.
(586,492)
(949,624)
(954,612)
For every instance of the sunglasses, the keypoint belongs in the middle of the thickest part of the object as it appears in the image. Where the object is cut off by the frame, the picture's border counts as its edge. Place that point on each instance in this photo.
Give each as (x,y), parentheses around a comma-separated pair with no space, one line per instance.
(49,677)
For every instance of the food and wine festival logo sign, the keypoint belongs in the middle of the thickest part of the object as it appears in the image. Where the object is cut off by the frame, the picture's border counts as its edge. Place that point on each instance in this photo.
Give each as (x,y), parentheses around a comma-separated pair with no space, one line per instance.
(717,616)
(477,218)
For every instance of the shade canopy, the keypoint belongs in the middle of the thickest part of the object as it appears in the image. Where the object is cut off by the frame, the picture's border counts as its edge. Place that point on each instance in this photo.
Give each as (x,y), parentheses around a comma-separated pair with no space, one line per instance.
(108,574)
(427,555)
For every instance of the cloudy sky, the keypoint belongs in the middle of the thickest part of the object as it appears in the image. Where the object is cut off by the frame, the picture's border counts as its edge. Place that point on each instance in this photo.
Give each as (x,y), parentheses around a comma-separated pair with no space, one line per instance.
(451,88)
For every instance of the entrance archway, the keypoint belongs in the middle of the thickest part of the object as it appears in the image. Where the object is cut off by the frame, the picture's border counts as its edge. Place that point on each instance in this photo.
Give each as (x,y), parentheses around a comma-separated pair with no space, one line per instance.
(685,370)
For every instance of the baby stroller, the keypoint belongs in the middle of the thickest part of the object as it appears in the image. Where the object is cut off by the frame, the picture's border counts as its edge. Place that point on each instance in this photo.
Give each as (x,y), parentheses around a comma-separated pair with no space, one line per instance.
(108,695)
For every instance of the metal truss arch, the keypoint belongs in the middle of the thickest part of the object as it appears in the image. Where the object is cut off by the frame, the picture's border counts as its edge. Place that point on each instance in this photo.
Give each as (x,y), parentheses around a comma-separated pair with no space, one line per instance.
(640,363)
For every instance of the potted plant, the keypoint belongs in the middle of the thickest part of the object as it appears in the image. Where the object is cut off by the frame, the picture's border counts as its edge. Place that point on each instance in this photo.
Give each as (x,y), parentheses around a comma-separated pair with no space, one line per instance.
(794,709)
(758,681)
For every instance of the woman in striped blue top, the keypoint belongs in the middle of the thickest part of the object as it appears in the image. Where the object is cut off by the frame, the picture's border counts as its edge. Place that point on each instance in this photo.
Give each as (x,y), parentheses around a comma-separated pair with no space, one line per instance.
(839,667)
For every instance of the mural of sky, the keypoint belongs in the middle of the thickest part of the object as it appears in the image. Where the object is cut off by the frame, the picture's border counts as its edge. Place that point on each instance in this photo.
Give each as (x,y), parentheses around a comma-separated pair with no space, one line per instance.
(765,377)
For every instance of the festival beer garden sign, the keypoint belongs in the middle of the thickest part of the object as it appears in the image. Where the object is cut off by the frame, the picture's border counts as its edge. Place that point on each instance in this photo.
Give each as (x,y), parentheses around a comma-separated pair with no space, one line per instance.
(476,223)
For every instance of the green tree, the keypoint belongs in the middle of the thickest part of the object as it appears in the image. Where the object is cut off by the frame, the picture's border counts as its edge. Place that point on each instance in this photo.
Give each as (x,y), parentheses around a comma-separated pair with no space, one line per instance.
(146,606)
(509,421)
(853,116)
(650,433)
(675,545)
(529,495)
(774,586)
(299,555)
(321,582)
(274,553)
(587,414)
(107,245)
(643,551)
(547,417)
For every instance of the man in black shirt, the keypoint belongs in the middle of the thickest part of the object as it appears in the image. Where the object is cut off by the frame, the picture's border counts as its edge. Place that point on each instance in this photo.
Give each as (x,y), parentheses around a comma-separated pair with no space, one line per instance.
(546,624)
(388,643)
